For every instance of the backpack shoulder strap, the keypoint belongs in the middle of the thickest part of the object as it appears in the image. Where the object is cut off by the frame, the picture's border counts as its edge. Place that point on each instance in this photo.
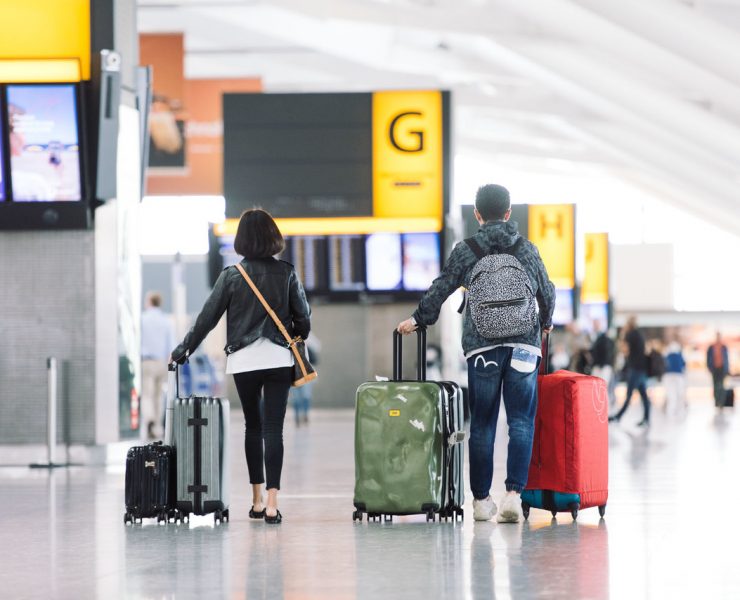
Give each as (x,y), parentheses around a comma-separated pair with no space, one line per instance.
(514,248)
(475,247)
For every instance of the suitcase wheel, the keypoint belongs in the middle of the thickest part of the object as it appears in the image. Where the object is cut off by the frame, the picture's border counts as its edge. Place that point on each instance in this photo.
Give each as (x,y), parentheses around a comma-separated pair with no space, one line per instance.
(388,518)
(460,513)
(357,516)
(128,518)
(373,516)
(554,513)
(574,506)
(602,510)
(217,517)
(431,516)
(525,510)
(225,515)
(162,518)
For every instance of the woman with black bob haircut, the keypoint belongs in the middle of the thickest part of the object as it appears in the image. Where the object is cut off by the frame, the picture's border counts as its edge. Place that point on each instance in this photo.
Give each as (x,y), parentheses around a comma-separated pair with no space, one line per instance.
(256,352)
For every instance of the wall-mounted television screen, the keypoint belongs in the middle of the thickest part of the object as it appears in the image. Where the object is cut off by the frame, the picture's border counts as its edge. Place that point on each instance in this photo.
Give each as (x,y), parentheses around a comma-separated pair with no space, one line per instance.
(44,143)
(2,180)
(383,262)
(344,268)
(563,314)
(596,311)
(420,260)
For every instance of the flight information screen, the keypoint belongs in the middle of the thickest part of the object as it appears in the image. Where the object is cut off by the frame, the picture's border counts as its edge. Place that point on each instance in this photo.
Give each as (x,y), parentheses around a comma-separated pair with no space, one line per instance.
(298,159)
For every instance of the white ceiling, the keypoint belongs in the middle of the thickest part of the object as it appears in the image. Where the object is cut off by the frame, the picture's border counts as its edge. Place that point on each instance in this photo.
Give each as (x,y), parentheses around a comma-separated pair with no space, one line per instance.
(645,90)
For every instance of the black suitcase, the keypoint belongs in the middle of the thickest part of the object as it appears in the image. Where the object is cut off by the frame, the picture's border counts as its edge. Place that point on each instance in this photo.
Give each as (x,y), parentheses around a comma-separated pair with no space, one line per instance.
(730,398)
(150,483)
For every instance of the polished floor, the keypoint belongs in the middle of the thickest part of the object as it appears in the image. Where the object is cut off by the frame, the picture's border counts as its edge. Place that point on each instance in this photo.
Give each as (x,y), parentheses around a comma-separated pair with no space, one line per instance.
(671,531)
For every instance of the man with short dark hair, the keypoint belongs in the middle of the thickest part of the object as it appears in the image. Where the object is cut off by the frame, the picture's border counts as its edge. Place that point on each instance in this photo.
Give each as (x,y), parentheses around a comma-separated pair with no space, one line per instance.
(497,366)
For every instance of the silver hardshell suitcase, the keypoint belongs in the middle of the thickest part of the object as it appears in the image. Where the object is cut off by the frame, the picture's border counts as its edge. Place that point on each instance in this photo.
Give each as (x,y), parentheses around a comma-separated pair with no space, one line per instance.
(198,428)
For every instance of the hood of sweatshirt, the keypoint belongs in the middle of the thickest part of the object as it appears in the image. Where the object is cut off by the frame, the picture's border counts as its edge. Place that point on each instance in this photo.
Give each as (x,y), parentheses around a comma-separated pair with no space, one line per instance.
(498,233)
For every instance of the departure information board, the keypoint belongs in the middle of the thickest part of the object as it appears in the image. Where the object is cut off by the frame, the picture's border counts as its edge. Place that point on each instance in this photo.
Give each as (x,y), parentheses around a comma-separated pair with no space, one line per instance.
(339,164)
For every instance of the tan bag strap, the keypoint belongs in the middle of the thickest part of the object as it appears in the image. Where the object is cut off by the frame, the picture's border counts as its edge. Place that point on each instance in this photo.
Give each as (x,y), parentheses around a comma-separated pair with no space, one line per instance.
(275,318)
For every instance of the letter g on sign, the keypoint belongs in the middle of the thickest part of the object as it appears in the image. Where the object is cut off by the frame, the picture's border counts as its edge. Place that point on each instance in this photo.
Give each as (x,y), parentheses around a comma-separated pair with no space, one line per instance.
(419,146)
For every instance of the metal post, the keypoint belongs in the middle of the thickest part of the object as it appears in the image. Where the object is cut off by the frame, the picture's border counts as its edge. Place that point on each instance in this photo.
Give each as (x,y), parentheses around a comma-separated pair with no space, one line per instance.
(51,423)
(51,416)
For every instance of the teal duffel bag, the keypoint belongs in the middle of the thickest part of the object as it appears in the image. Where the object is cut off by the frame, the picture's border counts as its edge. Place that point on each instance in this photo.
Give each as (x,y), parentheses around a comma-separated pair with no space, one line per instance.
(555,502)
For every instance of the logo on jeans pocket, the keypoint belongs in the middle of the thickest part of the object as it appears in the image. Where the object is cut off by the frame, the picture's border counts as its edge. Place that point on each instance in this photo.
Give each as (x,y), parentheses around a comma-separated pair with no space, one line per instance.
(600,401)
(486,363)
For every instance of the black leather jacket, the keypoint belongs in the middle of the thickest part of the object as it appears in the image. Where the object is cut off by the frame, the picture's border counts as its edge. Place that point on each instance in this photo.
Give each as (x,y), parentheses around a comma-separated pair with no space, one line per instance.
(246,318)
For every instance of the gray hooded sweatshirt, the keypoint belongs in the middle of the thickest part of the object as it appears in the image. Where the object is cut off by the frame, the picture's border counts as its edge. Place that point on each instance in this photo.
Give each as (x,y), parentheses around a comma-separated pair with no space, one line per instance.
(456,273)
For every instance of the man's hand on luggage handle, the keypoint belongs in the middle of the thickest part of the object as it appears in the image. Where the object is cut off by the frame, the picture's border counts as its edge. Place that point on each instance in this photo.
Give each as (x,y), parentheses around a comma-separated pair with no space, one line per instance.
(406,327)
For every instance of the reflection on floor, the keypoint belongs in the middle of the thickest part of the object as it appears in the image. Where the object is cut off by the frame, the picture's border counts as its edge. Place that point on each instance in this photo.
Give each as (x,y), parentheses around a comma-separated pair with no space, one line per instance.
(63,534)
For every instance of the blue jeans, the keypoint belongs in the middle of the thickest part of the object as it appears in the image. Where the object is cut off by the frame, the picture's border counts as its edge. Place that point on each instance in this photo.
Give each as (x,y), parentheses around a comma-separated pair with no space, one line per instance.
(636,380)
(489,374)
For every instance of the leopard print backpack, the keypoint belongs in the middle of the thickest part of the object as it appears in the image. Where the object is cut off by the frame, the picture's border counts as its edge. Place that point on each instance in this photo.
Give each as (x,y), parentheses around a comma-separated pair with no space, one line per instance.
(500,297)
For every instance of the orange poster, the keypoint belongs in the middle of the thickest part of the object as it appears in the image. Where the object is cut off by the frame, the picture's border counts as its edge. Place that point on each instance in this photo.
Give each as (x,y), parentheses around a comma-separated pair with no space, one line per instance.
(202,115)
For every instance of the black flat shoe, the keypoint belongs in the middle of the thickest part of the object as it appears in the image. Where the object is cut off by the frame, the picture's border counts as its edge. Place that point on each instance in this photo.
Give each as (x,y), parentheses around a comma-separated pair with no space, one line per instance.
(274,520)
(256,515)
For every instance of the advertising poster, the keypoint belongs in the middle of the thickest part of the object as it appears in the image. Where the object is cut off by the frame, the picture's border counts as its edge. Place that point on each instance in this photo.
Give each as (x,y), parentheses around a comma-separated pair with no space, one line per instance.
(186,122)
(44,147)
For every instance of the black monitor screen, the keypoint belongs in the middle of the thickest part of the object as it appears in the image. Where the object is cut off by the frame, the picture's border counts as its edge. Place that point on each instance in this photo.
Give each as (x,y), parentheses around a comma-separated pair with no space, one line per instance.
(44,143)
(420,260)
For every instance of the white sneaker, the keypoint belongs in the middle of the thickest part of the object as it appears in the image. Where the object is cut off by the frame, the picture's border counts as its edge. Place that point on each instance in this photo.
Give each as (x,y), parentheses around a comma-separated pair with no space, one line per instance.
(484,510)
(511,509)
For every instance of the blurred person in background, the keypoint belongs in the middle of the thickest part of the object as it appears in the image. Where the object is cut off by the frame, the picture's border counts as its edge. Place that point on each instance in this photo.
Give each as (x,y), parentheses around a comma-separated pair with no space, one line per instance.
(636,367)
(559,359)
(603,353)
(718,363)
(157,338)
(302,396)
(674,380)
(577,345)
(655,362)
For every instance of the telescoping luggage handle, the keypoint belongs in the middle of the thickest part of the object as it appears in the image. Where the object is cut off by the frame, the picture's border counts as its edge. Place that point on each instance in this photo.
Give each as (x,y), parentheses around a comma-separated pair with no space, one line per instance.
(421,352)
(173,392)
(545,361)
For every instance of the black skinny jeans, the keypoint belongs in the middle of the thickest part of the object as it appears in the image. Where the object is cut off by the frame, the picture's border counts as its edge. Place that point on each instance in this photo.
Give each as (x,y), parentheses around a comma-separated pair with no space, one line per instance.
(265,424)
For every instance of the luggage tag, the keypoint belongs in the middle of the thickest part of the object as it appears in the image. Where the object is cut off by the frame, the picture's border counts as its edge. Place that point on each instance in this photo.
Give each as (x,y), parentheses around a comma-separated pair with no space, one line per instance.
(523,360)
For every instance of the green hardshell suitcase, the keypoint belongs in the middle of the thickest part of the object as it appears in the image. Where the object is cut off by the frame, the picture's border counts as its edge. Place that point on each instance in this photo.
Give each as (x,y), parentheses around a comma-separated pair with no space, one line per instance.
(408,450)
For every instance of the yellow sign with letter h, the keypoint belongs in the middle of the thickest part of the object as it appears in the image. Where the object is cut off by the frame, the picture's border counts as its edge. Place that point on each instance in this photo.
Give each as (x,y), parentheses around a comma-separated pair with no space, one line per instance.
(552,230)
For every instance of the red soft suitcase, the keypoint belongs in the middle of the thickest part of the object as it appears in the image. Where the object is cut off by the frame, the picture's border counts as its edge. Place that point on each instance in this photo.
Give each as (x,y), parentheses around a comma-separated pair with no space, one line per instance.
(569,470)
